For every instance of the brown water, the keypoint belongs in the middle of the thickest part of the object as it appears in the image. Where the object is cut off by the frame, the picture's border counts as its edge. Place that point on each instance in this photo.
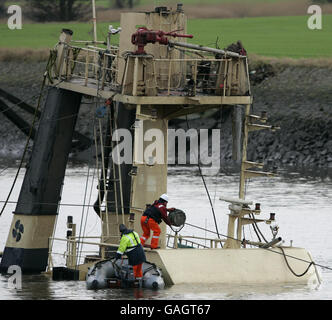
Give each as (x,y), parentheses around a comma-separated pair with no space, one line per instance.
(303,211)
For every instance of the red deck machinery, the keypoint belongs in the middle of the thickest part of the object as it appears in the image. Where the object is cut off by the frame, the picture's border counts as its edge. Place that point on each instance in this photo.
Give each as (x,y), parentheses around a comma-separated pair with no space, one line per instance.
(143,36)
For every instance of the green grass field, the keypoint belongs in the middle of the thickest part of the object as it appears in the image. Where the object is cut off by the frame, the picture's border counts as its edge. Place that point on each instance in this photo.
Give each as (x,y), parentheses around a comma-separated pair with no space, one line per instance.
(266,36)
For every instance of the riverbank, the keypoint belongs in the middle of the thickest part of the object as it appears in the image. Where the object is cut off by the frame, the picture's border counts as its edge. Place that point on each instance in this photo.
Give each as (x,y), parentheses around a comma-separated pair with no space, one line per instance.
(299,100)
(296,96)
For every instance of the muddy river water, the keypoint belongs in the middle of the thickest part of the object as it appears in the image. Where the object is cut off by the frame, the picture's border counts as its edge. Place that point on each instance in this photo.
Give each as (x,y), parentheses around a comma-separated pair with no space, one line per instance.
(302,203)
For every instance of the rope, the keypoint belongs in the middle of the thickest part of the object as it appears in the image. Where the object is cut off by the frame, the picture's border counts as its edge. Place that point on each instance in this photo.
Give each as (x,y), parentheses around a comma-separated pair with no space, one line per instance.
(86,219)
(20,102)
(255,226)
(3,170)
(206,189)
(51,120)
(26,145)
(80,248)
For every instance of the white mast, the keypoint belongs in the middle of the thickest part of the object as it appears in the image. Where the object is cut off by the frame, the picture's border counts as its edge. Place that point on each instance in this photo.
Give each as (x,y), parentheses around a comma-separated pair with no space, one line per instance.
(94,20)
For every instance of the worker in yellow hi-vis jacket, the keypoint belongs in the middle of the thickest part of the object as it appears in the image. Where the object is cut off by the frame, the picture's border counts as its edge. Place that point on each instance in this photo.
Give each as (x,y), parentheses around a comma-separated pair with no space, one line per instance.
(130,244)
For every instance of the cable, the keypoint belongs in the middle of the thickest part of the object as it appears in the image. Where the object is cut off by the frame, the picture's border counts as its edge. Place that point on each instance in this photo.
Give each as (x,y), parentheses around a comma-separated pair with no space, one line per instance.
(192,225)
(26,145)
(289,267)
(35,117)
(20,102)
(87,181)
(96,217)
(216,176)
(3,170)
(45,122)
(319,265)
(80,248)
(206,189)
(60,204)
(256,245)
(255,225)
(252,216)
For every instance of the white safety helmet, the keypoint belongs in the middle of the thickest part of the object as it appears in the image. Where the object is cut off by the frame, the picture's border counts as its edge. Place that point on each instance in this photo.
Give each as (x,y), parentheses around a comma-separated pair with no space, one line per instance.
(164,197)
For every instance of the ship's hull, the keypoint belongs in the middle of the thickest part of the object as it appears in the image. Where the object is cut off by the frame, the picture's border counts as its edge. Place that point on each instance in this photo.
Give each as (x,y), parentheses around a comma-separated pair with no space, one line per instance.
(235,266)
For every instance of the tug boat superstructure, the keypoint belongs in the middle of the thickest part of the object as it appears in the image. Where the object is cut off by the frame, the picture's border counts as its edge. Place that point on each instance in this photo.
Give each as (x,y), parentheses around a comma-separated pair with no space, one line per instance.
(138,86)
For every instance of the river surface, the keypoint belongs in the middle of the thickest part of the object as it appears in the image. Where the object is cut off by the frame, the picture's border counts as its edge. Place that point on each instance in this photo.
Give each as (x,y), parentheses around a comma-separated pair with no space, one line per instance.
(302,203)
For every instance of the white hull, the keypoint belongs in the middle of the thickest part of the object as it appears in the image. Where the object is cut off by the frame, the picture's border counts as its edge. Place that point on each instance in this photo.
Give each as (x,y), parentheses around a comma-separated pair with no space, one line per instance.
(234,266)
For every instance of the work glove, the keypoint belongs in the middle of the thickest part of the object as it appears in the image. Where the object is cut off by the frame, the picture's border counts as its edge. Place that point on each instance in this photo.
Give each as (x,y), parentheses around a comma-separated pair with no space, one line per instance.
(118,256)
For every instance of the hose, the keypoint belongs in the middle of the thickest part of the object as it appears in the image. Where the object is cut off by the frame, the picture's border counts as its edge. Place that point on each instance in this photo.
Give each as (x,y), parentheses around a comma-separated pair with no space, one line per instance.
(289,267)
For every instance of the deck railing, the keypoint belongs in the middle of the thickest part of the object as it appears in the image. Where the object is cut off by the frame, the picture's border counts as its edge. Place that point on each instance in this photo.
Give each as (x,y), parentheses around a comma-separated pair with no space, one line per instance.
(74,252)
(192,242)
(147,76)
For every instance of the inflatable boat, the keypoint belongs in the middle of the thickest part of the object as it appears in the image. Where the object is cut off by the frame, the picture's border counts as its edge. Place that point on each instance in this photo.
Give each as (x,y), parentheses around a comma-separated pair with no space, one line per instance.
(118,274)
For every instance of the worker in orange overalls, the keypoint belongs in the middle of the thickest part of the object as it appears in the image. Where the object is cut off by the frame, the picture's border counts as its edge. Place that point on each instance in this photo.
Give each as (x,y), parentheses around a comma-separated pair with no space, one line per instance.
(151,219)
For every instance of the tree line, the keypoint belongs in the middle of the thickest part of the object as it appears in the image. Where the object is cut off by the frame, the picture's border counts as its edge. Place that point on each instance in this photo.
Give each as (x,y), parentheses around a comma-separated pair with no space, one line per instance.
(71,10)
(61,10)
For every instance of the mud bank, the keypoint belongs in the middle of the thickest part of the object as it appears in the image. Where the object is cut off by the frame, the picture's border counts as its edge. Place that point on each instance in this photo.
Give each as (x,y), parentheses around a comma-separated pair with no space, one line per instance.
(298,99)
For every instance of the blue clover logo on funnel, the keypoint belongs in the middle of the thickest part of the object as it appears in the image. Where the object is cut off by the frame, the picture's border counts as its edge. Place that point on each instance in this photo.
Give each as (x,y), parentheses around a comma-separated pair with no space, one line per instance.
(18,230)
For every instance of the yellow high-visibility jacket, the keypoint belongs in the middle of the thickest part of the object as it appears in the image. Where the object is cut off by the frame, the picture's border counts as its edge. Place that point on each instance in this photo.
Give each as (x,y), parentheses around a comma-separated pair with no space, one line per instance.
(128,242)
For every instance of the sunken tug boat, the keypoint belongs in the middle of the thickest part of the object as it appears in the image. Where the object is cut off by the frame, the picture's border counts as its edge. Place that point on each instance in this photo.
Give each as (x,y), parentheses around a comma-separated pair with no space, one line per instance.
(152,76)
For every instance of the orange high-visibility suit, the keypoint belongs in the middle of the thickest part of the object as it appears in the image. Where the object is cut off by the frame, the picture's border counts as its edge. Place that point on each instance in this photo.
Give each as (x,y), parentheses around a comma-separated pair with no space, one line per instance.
(151,219)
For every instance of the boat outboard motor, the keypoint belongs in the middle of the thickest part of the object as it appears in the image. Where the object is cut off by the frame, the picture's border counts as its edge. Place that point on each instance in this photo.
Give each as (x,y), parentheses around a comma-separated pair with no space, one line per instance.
(126,275)
(152,276)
